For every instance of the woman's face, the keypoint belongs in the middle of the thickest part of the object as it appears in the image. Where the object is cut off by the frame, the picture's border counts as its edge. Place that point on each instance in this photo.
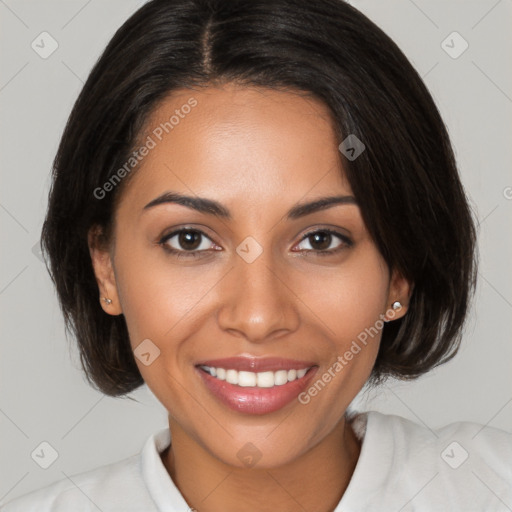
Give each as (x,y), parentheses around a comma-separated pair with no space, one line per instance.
(243,280)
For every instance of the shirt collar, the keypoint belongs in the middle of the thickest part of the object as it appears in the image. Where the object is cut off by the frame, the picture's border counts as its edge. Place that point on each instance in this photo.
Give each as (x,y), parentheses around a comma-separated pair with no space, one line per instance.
(160,485)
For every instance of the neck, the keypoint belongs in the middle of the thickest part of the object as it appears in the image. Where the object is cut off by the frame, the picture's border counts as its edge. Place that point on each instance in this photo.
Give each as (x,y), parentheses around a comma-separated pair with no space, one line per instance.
(316,480)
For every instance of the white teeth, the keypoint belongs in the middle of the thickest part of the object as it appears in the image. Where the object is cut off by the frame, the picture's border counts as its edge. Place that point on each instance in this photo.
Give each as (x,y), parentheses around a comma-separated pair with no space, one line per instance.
(232,376)
(265,379)
(251,379)
(246,379)
(280,377)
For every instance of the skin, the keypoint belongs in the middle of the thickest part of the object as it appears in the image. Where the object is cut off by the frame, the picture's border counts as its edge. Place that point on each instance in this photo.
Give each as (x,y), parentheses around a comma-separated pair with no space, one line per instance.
(258,152)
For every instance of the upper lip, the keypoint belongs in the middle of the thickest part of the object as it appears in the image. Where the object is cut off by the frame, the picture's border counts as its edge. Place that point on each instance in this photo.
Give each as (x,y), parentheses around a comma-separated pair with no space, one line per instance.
(257,364)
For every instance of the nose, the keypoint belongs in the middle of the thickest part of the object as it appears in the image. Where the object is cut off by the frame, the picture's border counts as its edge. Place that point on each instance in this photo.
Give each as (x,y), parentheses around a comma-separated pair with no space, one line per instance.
(256,301)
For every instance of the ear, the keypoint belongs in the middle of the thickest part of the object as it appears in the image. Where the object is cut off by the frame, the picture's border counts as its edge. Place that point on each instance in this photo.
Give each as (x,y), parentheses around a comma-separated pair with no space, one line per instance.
(103,270)
(400,290)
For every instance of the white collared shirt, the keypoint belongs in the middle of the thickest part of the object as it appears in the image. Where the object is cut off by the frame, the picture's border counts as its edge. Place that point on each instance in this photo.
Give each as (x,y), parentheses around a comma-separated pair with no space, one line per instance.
(402,467)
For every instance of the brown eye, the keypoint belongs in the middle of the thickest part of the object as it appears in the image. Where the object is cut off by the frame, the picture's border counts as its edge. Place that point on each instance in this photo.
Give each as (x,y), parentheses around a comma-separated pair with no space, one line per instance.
(185,241)
(324,241)
(320,240)
(189,240)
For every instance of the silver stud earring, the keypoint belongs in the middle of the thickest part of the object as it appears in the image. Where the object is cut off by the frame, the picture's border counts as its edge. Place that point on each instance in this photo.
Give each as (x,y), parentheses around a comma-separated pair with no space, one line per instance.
(396,305)
(107,301)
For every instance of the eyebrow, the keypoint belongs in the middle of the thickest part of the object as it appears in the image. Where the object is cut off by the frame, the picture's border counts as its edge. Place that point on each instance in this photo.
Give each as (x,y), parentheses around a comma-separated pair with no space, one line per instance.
(212,207)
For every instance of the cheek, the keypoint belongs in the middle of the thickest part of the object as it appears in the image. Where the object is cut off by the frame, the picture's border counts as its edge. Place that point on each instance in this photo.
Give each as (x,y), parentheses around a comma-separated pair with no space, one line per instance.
(350,298)
(350,303)
(157,294)
(162,302)
(165,303)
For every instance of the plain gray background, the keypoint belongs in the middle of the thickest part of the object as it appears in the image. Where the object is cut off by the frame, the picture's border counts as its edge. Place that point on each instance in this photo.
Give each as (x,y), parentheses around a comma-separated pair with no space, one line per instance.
(44,396)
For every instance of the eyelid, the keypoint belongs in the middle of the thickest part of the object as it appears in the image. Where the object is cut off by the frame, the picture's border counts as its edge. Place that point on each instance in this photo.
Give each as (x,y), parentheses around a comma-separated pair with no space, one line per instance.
(326,229)
(178,230)
(345,239)
(187,227)
(163,239)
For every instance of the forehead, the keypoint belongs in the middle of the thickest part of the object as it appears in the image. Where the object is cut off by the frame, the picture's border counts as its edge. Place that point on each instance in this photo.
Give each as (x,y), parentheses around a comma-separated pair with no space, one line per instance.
(230,141)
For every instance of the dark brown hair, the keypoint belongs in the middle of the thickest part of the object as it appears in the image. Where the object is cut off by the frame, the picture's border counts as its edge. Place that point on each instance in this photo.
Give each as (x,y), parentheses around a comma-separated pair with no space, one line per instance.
(406,180)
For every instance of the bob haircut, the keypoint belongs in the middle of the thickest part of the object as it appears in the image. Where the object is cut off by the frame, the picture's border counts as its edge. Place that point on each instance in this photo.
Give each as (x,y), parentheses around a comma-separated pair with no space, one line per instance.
(406,181)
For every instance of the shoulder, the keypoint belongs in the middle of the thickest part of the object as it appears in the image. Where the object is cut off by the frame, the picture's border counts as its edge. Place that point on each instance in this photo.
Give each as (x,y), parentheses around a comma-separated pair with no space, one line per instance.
(460,466)
(114,487)
(451,445)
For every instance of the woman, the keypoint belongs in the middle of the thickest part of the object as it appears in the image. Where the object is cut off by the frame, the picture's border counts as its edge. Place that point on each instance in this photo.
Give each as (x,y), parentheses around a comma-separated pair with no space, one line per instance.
(256,210)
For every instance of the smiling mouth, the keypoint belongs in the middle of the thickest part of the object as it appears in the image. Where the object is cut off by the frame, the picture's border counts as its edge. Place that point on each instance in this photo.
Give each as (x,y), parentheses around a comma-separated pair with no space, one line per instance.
(256,385)
(265,380)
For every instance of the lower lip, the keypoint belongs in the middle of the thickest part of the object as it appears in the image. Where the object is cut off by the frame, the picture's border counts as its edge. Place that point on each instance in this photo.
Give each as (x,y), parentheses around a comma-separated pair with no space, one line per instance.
(253,400)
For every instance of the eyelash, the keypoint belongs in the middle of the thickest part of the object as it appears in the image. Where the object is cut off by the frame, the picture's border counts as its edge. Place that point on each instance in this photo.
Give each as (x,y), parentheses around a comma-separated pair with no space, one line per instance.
(346,243)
